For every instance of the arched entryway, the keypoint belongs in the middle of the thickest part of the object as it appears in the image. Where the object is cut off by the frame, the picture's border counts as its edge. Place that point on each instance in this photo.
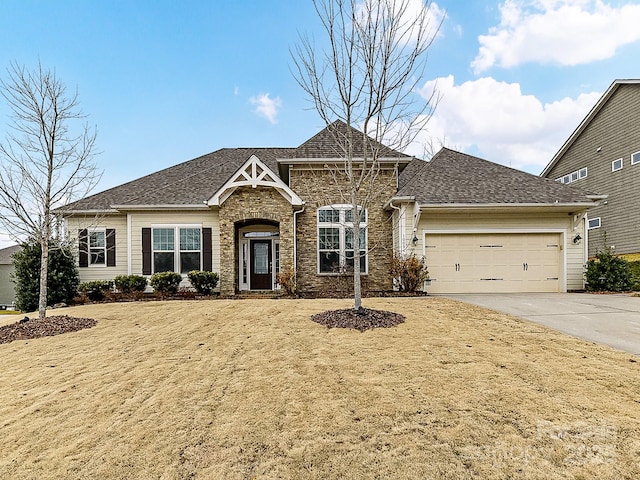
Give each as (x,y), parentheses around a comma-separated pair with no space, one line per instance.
(258,243)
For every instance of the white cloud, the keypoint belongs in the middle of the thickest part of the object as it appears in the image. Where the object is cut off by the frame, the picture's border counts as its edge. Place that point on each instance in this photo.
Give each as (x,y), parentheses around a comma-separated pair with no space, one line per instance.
(563,32)
(267,107)
(500,122)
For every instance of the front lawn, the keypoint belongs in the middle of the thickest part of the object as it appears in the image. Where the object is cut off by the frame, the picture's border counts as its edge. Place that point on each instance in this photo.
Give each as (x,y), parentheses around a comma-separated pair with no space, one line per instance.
(247,389)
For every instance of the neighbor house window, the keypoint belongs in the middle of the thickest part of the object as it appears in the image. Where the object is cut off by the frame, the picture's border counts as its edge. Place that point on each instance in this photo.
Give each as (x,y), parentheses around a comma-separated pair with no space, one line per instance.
(98,248)
(573,176)
(616,165)
(336,239)
(180,256)
(594,223)
(635,158)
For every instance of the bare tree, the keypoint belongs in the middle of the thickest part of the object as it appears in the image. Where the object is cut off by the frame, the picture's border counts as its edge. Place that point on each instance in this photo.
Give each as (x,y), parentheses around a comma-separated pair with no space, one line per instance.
(367,78)
(46,161)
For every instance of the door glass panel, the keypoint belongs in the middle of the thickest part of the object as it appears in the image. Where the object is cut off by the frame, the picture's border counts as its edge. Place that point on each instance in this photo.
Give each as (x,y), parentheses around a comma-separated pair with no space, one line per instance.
(260,258)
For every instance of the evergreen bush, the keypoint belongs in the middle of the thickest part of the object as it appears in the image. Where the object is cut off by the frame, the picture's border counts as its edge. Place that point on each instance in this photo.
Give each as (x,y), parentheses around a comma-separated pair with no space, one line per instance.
(203,282)
(62,277)
(608,273)
(96,289)
(130,283)
(166,283)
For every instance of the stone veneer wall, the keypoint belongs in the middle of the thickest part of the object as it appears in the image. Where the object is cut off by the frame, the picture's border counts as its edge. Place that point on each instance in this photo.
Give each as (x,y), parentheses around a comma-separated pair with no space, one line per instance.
(244,204)
(318,188)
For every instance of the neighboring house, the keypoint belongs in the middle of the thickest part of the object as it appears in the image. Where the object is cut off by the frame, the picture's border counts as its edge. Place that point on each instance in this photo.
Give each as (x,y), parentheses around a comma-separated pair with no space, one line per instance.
(7,290)
(603,155)
(248,213)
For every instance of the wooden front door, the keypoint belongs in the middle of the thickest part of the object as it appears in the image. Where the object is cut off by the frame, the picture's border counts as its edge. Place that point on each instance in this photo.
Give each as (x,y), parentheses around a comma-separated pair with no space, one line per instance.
(260,273)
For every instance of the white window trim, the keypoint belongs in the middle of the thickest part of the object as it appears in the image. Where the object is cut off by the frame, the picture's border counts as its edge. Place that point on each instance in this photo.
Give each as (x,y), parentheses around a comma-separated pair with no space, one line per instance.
(613,169)
(89,232)
(568,178)
(589,227)
(342,225)
(176,245)
(638,160)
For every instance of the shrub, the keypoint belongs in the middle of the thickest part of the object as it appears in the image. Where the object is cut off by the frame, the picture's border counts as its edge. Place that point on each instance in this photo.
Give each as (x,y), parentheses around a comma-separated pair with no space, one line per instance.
(130,283)
(608,273)
(166,282)
(95,289)
(62,276)
(408,273)
(287,280)
(203,282)
(635,273)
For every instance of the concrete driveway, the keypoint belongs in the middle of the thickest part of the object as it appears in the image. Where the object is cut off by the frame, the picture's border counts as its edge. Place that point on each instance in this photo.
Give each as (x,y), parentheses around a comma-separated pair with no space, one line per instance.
(610,319)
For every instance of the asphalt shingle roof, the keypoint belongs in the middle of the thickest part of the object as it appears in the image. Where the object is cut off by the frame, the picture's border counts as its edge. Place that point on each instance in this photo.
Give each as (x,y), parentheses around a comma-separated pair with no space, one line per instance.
(189,183)
(196,181)
(456,178)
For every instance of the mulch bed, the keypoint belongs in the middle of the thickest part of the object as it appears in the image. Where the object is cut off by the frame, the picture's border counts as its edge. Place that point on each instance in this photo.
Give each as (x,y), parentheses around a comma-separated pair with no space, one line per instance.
(366,319)
(48,327)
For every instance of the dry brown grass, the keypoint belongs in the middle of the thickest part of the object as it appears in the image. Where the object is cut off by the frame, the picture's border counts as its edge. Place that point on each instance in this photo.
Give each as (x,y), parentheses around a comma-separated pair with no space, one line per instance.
(254,389)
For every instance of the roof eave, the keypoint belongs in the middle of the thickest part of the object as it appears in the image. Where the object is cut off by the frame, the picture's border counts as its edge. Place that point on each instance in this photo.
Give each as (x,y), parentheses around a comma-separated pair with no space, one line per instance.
(197,206)
(569,206)
(334,160)
(585,122)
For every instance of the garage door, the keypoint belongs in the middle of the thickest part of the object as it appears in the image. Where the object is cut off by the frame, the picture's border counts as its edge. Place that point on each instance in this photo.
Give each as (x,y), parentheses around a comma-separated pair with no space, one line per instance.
(493,263)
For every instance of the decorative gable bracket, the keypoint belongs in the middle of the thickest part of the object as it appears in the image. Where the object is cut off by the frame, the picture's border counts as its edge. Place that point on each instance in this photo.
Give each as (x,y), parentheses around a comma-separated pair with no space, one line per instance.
(254,173)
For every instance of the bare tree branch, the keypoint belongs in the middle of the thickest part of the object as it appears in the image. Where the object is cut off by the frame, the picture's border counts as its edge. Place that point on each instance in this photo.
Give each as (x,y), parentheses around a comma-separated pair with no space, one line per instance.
(367,78)
(45,161)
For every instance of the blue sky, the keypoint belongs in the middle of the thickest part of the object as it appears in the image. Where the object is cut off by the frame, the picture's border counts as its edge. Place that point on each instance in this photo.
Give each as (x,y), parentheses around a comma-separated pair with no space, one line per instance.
(167,81)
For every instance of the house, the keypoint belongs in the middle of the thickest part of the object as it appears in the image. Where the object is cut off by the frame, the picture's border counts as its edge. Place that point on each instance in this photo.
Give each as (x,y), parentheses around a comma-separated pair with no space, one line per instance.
(248,213)
(603,155)
(7,290)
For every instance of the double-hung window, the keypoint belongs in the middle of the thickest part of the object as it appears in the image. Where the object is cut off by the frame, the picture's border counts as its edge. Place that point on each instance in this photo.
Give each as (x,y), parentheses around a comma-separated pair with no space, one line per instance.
(336,239)
(98,248)
(177,249)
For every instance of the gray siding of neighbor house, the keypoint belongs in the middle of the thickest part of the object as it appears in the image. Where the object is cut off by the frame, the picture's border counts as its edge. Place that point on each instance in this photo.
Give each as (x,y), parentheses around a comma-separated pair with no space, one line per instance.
(613,133)
(7,292)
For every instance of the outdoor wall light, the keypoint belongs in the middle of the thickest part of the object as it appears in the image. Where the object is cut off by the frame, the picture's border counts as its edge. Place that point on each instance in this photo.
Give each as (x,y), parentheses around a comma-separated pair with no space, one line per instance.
(414,240)
(577,239)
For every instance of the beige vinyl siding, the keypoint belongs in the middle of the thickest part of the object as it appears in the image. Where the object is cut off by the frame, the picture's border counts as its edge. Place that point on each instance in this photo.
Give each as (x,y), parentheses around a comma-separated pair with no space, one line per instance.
(7,290)
(140,220)
(571,256)
(613,133)
(117,222)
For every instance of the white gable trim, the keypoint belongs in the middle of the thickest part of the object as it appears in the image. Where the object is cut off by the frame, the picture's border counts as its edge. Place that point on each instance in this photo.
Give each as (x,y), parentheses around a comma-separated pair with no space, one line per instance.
(254,173)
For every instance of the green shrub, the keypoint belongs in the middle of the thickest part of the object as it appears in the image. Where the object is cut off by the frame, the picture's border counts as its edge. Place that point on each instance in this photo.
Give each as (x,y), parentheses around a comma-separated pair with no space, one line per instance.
(166,282)
(95,289)
(130,283)
(62,275)
(203,282)
(408,273)
(608,273)
(635,273)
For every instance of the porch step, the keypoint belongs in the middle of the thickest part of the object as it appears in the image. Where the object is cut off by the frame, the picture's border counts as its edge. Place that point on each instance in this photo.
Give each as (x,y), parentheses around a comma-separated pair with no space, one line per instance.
(260,294)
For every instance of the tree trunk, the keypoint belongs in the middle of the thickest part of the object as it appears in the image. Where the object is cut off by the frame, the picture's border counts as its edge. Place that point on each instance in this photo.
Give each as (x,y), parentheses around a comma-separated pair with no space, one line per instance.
(44,270)
(357,282)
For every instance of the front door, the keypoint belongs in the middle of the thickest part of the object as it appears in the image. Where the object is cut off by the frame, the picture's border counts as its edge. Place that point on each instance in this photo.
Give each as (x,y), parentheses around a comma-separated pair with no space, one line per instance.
(261,265)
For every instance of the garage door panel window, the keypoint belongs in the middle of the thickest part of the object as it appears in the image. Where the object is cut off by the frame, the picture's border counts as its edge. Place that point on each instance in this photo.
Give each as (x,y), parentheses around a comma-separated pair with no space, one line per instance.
(336,242)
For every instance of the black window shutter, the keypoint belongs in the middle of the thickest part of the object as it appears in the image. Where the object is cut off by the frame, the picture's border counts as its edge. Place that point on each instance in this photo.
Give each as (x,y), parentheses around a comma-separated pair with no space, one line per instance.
(83,248)
(206,250)
(146,251)
(111,247)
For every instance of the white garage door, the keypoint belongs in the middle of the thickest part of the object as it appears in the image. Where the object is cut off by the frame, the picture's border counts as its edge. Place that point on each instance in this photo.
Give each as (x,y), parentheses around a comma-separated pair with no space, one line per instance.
(494,263)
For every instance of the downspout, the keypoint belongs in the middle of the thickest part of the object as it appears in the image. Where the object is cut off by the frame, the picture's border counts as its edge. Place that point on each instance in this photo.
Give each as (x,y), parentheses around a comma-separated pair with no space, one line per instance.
(295,243)
(399,213)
